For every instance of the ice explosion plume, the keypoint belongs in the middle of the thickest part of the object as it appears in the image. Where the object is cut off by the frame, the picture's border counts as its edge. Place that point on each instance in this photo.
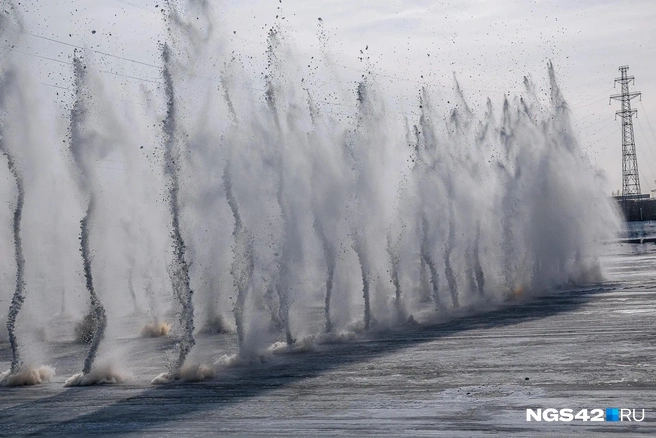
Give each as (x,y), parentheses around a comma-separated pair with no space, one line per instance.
(299,209)
(183,38)
(19,374)
(19,294)
(179,269)
(81,139)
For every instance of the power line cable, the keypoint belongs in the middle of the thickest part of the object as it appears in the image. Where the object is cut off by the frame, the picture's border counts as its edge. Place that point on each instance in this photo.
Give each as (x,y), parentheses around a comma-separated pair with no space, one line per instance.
(209,78)
(644,112)
(93,50)
(136,78)
(588,104)
(592,97)
(596,123)
(612,122)
(143,8)
(602,138)
(360,70)
(645,137)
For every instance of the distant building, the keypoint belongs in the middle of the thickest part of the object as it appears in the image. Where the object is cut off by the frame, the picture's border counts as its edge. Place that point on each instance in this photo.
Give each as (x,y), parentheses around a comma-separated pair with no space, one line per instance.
(637,207)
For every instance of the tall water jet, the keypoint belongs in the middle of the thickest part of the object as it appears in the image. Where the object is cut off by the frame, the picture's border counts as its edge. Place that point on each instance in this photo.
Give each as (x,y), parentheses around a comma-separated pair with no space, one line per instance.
(279,313)
(178,268)
(187,38)
(479,276)
(290,196)
(378,166)
(242,261)
(427,258)
(326,207)
(359,248)
(328,187)
(423,173)
(331,259)
(150,297)
(448,250)
(283,277)
(133,295)
(97,309)
(81,140)
(326,204)
(19,293)
(480,174)
(14,107)
(395,261)
(456,155)
(130,257)
(425,289)
(359,234)
(509,201)
(78,117)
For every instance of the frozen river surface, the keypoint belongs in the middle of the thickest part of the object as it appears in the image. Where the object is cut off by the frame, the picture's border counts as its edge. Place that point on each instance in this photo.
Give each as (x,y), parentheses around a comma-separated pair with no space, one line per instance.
(586,348)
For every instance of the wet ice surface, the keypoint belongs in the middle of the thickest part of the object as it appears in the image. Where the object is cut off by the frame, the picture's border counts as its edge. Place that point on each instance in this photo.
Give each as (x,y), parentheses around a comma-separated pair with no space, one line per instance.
(587,348)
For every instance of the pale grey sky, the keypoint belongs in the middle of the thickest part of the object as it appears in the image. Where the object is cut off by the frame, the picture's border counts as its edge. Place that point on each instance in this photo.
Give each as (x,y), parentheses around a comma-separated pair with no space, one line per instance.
(489,44)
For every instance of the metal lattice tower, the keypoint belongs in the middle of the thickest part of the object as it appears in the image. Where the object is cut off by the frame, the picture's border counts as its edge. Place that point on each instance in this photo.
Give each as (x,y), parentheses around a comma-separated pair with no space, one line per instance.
(630,175)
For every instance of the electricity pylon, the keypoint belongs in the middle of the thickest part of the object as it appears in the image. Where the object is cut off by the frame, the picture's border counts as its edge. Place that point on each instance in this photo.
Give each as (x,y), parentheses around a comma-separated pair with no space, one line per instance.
(630,175)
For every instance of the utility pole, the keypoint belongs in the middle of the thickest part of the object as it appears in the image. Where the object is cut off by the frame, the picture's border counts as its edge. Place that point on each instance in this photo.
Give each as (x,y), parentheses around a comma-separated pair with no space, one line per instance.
(630,175)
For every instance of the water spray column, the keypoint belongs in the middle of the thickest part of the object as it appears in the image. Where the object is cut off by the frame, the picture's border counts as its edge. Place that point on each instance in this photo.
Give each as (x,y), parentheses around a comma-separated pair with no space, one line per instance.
(508,200)
(329,253)
(481,145)
(178,268)
(426,149)
(243,263)
(478,269)
(448,251)
(78,143)
(97,309)
(19,293)
(425,254)
(359,235)
(395,261)
(6,22)
(282,283)
(323,225)
(12,86)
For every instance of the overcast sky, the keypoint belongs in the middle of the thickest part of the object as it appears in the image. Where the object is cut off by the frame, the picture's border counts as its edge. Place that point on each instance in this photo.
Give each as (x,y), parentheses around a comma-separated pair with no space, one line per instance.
(489,44)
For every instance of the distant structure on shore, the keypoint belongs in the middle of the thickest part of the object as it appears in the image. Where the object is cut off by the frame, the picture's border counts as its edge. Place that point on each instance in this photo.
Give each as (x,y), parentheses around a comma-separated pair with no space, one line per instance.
(634,205)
